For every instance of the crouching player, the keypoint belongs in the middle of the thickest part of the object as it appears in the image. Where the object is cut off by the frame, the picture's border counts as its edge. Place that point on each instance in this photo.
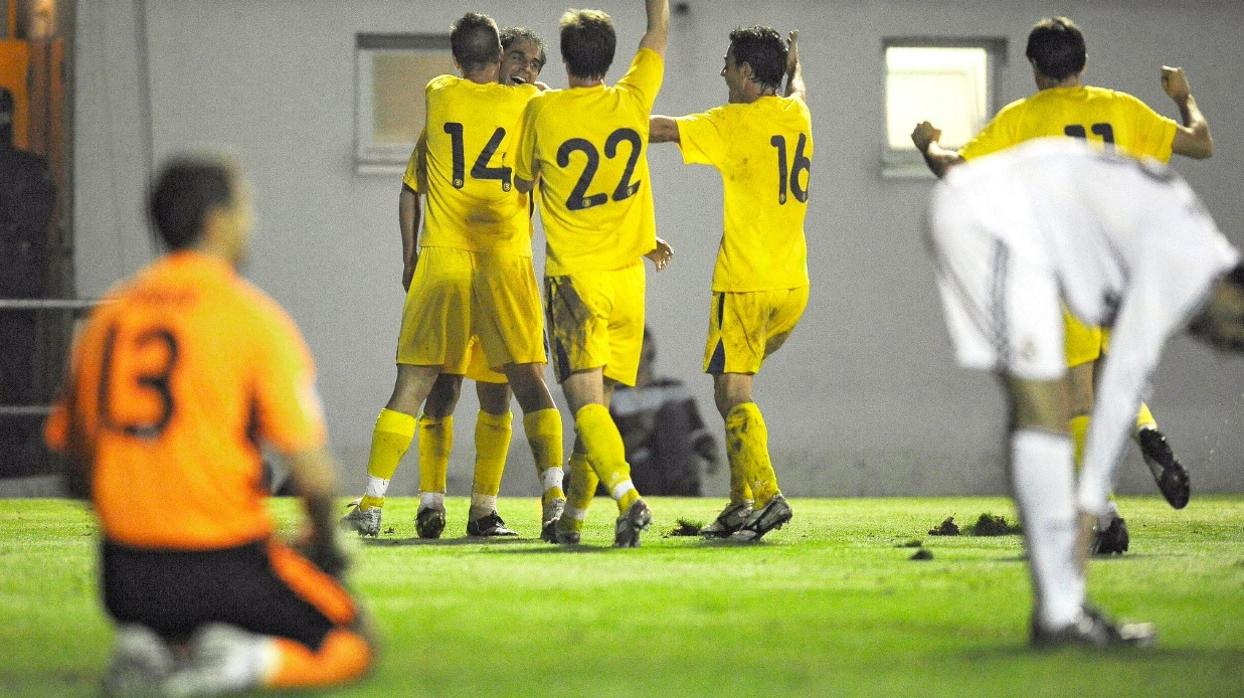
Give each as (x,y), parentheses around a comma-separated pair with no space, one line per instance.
(173,386)
(1125,244)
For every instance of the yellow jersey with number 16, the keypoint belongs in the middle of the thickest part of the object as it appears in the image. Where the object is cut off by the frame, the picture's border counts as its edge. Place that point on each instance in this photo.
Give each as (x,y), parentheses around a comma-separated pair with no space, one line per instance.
(471,131)
(590,147)
(764,153)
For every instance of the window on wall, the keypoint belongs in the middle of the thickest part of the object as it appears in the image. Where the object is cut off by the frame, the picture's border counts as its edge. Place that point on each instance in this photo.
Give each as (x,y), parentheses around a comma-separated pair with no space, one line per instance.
(391,71)
(951,83)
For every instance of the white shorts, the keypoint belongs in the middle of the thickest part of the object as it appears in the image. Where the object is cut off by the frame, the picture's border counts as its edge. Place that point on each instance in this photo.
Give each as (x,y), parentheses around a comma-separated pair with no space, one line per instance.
(1003,309)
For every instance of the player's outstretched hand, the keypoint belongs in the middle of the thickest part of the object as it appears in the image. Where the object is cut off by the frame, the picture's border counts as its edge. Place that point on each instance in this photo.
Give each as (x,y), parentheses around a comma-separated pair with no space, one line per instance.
(661,255)
(792,51)
(925,134)
(1175,82)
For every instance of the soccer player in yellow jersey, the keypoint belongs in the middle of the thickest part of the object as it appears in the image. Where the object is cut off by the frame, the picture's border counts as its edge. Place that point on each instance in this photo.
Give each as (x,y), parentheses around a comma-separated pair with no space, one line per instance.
(761,142)
(1065,106)
(472,277)
(523,57)
(587,144)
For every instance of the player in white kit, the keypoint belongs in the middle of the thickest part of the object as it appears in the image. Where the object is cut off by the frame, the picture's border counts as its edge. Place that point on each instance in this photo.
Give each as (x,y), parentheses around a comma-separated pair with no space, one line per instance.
(1125,244)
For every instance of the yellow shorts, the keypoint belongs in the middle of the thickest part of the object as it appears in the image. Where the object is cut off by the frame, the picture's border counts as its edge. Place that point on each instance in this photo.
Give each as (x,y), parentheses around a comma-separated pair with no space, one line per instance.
(1082,343)
(745,328)
(477,365)
(470,313)
(596,319)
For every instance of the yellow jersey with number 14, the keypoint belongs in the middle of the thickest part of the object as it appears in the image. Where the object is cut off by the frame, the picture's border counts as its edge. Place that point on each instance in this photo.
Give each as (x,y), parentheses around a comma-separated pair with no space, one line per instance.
(764,153)
(590,147)
(471,131)
(1094,113)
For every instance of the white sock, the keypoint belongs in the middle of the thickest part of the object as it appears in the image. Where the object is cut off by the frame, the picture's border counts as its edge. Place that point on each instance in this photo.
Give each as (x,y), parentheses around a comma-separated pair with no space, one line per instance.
(575,513)
(434,500)
(376,487)
(620,489)
(482,505)
(1041,475)
(1112,510)
(552,477)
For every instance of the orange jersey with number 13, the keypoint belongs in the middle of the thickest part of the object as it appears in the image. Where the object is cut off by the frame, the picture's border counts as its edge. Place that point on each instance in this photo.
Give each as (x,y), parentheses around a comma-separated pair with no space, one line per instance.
(172,387)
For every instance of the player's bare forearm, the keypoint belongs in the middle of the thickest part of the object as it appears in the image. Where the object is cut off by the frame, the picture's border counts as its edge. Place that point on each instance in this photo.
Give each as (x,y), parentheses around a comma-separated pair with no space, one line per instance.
(938,159)
(795,86)
(662,129)
(408,221)
(1194,139)
(313,471)
(656,37)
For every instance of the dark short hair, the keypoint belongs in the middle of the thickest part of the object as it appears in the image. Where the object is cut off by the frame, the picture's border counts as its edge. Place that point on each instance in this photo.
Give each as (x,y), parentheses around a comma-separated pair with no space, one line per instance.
(763,49)
(511,34)
(1056,48)
(588,42)
(186,189)
(474,41)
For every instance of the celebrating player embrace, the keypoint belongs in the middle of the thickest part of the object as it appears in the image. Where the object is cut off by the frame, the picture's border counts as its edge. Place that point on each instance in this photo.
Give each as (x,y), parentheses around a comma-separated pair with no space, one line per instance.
(472,279)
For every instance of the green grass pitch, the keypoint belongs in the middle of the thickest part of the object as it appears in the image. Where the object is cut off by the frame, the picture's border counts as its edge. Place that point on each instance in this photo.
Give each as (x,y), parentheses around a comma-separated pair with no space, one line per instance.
(827,606)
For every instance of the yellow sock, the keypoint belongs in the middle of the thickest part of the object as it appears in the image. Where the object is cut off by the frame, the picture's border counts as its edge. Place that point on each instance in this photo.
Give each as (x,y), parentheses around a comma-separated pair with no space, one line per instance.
(1078,426)
(740,491)
(436,440)
(492,445)
(606,453)
(747,442)
(544,435)
(1144,419)
(390,438)
(583,483)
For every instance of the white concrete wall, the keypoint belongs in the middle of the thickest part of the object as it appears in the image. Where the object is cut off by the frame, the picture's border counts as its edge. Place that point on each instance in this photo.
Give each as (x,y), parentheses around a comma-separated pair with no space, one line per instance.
(863,400)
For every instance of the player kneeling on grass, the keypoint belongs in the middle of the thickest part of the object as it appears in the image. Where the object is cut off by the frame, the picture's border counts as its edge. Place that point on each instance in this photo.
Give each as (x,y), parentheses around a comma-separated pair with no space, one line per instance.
(1125,244)
(760,284)
(173,386)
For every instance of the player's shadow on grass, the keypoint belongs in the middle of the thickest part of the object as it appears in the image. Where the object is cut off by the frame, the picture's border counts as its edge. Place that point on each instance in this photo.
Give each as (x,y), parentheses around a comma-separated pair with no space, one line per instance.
(557,549)
(1146,655)
(447,542)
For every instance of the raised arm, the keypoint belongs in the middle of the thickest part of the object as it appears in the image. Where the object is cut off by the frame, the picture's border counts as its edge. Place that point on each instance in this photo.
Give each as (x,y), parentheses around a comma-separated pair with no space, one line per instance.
(795,86)
(662,129)
(939,159)
(658,32)
(1193,138)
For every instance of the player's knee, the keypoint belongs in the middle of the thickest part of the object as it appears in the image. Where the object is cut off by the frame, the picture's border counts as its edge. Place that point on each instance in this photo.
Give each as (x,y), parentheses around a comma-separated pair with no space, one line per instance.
(1038,405)
(728,394)
(494,398)
(527,382)
(444,396)
(1080,389)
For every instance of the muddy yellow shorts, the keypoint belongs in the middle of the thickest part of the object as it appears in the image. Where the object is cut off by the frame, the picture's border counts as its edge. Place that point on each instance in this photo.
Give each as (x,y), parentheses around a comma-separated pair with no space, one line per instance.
(596,320)
(744,328)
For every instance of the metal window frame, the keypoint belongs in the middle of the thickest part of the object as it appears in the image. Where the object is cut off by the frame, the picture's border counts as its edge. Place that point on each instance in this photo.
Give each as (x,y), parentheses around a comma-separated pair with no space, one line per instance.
(905,163)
